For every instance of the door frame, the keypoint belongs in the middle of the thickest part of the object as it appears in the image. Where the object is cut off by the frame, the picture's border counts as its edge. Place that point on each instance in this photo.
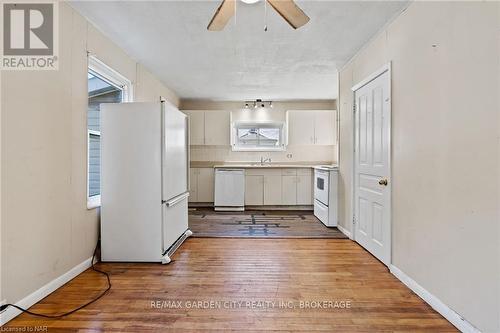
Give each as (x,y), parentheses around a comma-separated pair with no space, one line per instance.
(385,68)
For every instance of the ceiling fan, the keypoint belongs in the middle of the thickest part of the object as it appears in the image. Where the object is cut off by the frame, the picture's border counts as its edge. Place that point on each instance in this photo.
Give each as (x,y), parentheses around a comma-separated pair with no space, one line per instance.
(286,8)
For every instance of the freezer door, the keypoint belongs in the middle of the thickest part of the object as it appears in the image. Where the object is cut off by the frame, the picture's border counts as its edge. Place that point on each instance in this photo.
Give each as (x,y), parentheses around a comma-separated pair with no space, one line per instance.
(175,220)
(175,152)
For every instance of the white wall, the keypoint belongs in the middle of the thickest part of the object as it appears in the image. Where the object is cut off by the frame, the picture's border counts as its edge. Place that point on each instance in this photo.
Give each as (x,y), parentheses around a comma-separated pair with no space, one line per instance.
(445,162)
(308,153)
(46,227)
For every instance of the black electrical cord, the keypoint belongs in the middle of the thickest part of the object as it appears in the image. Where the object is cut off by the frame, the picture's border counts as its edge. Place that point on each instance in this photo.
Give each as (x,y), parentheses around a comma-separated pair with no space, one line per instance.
(5,306)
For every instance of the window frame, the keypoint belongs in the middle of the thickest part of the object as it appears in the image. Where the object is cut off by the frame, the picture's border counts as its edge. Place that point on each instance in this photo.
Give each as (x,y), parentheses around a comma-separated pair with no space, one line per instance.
(259,124)
(111,76)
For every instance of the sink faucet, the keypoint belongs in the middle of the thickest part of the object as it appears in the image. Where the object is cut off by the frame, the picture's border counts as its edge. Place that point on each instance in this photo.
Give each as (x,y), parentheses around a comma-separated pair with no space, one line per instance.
(264,160)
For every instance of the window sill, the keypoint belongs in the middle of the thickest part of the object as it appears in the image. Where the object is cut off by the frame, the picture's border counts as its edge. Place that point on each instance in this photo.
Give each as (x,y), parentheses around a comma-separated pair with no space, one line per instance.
(94,202)
(257,149)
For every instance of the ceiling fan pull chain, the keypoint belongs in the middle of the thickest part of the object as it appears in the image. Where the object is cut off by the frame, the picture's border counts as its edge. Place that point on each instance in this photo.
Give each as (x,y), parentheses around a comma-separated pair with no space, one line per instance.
(265,15)
(235,11)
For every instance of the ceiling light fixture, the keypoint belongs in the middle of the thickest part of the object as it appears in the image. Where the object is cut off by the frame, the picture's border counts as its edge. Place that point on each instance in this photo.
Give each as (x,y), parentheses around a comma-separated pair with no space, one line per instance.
(250,1)
(258,103)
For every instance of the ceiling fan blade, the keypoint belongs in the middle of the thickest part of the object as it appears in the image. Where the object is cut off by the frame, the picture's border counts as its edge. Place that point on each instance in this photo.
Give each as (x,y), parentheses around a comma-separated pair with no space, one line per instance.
(222,15)
(290,12)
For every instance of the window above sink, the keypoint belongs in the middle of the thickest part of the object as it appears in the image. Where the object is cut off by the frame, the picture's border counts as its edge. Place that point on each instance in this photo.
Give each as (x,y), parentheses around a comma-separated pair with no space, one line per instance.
(258,136)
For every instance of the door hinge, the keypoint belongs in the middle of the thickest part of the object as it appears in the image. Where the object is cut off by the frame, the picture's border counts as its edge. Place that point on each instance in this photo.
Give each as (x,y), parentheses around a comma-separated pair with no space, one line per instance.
(354,220)
(354,108)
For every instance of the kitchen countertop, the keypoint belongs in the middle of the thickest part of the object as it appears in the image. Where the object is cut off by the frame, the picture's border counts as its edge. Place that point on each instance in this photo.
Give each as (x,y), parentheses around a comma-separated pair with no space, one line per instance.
(257,165)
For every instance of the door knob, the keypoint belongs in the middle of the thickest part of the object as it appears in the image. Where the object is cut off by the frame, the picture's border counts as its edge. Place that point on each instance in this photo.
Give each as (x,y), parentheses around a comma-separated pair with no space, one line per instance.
(383,182)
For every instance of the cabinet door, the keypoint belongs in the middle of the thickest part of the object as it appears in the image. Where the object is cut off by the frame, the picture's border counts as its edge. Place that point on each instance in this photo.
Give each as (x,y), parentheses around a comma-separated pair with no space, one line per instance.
(272,189)
(300,127)
(193,185)
(196,127)
(206,185)
(289,190)
(304,189)
(217,128)
(325,128)
(254,190)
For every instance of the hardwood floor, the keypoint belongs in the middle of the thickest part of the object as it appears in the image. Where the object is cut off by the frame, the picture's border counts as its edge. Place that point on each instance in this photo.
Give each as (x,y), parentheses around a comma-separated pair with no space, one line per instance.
(225,270)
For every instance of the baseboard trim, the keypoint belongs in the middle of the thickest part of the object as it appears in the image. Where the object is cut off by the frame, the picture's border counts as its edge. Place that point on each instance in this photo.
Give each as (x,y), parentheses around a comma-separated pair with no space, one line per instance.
(44,291)
(281,207)
(454,318)
(344,231)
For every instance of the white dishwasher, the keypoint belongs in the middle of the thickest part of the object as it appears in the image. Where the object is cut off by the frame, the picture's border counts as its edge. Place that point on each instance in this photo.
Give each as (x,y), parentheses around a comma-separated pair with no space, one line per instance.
(229,189)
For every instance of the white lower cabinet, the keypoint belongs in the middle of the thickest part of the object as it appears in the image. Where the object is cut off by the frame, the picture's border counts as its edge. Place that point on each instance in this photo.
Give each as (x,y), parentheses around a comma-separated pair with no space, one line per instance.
(193,184)
(272,188)
(201,185)
(263,187)
(289,190)
(254,189)
(206,185)
(305,194)
(275,187)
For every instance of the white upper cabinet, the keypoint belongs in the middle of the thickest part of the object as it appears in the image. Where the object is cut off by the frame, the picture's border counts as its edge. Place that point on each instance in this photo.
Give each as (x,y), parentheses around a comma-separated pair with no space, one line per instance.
(217,128)
(300,127)
(209,127)
(196,127)
(307,127)
(325,131)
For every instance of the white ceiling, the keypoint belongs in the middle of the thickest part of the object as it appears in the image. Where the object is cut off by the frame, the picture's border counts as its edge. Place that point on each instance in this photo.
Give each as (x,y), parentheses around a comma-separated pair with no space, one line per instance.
(243,62)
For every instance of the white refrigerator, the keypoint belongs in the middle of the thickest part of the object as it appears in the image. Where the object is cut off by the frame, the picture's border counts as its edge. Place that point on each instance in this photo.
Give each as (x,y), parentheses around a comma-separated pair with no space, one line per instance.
(144,181)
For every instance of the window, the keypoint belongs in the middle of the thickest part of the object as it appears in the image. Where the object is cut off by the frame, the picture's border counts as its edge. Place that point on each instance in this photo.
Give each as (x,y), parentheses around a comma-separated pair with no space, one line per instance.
(258,136)
(104,86)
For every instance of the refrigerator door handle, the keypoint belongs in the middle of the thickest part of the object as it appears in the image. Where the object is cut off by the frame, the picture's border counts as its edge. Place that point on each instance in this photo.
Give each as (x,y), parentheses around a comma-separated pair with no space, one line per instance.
(176,199)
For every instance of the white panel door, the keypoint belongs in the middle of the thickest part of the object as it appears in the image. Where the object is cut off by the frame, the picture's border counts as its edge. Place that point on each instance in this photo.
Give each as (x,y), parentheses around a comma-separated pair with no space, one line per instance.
(300,127)
(325,132)
(206,185)
(217,128)
(372,187)
(254,190)
(175,152)
(196,127)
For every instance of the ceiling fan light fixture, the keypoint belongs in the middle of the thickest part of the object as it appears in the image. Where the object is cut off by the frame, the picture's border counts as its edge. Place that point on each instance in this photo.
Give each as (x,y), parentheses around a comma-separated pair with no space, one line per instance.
(250,1)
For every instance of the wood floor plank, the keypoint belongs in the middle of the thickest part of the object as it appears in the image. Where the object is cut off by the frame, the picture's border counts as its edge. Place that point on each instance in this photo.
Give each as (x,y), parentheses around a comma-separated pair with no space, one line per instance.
(244,270)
